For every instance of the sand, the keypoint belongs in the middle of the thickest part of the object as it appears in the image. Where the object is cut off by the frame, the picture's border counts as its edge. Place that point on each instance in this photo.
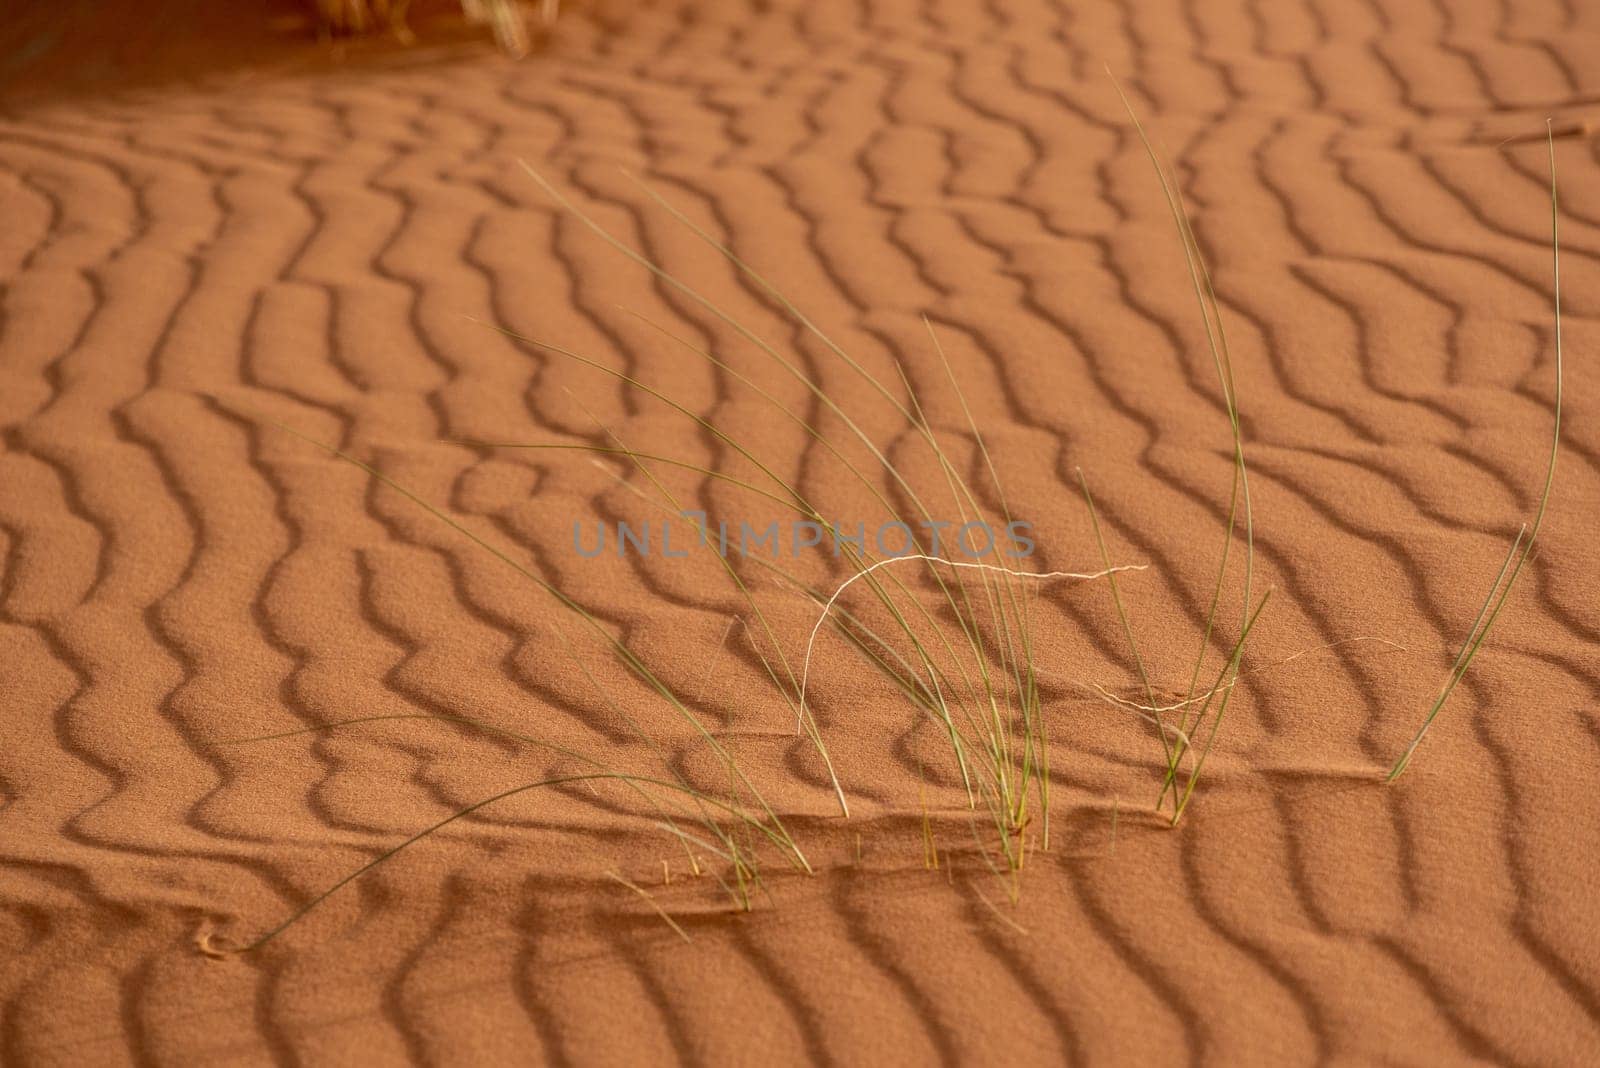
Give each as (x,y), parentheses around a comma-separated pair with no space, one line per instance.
(208,236)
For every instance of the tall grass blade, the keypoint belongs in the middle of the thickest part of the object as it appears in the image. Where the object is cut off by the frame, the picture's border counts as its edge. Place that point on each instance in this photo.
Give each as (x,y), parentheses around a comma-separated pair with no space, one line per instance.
(1481,627)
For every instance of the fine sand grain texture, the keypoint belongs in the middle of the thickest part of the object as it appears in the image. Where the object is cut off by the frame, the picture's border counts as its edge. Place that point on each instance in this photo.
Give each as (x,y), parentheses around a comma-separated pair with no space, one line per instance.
(219,245)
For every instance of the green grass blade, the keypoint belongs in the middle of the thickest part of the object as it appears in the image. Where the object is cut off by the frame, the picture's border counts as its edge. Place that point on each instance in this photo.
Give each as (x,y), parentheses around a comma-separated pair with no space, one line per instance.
(1474,642)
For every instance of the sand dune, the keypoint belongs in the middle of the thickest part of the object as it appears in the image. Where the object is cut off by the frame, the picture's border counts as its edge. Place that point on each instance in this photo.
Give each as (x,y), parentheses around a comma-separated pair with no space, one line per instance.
(202,246)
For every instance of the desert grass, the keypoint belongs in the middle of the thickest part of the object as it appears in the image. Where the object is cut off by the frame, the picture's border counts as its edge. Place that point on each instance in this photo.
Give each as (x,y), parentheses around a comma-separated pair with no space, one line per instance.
(729,823)
(506,19)
(1522,545)
(1176,738)
(973,672)
(650,900)
(977,677)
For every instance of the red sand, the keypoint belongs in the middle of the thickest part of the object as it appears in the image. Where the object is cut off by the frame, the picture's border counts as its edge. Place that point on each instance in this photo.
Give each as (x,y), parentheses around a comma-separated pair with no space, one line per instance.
(209,234)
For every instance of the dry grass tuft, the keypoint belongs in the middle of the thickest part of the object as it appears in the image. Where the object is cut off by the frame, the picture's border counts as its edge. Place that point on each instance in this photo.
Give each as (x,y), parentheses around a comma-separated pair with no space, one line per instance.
(507,19)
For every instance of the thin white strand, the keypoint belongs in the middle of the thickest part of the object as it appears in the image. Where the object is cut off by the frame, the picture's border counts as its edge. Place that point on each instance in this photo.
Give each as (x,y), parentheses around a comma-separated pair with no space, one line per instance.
(805,673)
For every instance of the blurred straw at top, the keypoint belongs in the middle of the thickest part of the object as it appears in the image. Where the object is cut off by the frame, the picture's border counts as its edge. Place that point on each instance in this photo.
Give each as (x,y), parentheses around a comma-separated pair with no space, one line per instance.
(506,19)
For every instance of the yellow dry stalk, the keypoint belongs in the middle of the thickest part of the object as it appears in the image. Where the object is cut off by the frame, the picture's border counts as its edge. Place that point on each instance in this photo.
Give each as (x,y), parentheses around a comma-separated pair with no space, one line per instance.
(506,19)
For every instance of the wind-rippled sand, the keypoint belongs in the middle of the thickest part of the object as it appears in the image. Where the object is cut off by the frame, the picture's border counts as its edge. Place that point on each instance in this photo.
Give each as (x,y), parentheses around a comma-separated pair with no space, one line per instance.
(287,240)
